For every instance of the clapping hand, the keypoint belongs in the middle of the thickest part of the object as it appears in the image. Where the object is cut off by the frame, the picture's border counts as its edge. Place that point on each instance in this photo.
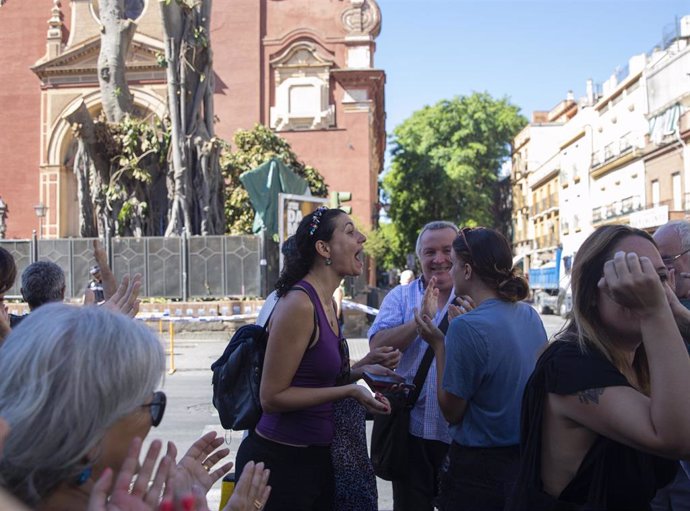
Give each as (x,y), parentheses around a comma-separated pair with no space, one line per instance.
(196,466)
(126,298)
(144,494)
(427,330)
(462,305)
(252,490)
(430,299)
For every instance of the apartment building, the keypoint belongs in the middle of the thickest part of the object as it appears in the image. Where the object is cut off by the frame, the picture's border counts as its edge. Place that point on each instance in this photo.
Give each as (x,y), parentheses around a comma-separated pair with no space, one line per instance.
(575,154)
(666,156)
(535,182)
(618,156)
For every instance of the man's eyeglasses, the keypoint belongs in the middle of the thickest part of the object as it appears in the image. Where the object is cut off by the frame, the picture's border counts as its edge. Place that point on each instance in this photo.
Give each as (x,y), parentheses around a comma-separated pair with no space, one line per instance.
(669,260)
(157,407)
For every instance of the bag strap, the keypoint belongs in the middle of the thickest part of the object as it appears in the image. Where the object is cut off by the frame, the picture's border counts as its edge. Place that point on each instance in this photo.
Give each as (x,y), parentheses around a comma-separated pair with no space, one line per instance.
(316,318)
(423,370)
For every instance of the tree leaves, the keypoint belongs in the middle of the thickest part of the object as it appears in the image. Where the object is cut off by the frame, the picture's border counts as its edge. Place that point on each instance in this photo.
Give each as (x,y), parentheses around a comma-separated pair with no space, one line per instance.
(253,148)
(445,164)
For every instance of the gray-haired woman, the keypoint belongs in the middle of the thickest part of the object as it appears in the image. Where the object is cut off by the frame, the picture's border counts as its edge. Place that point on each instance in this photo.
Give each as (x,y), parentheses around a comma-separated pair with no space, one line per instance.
(78,389)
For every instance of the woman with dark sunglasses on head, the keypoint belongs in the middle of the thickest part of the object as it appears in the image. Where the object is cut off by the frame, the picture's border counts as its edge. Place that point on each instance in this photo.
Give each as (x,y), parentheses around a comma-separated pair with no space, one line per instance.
(78,390)
(306,369)
(483,366)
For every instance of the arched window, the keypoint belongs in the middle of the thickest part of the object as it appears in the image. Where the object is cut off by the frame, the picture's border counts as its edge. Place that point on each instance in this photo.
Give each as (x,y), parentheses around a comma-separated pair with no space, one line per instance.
(133,9)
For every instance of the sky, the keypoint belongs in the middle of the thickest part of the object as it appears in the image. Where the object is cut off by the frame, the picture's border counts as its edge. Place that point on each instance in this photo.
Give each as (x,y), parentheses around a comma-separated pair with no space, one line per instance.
(533,51)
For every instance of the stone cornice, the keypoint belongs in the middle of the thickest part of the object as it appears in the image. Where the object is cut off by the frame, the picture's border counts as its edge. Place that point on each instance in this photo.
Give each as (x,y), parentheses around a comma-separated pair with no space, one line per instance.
(82,59)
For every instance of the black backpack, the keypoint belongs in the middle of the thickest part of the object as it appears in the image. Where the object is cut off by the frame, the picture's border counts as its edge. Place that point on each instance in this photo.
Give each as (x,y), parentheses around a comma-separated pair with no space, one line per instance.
(237,376)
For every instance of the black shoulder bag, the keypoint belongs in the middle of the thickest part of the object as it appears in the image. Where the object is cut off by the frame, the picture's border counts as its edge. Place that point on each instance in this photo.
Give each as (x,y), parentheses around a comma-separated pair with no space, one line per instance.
(389,436)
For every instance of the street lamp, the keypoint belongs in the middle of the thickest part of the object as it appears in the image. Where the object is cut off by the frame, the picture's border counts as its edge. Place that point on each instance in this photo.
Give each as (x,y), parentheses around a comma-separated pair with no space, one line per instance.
(40,210)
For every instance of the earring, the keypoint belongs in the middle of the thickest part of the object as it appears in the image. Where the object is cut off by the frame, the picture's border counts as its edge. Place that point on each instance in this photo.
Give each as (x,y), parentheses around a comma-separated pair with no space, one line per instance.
(84,476)
(328,261)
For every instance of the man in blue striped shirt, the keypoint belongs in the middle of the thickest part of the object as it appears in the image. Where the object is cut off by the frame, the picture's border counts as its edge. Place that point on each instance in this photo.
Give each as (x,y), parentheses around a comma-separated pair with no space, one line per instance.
(395,326)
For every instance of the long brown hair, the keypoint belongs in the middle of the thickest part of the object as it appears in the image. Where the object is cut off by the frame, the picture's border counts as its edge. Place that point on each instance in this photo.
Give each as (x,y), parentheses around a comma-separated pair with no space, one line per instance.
(489,254)
(585,325)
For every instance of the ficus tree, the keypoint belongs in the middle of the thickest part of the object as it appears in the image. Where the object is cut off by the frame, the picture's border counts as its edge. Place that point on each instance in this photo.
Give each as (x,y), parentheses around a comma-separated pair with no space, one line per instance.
(137,175)
(253,148)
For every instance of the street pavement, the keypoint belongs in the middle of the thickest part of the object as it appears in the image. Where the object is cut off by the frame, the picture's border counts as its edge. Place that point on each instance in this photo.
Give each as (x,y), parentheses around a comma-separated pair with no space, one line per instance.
(190,413)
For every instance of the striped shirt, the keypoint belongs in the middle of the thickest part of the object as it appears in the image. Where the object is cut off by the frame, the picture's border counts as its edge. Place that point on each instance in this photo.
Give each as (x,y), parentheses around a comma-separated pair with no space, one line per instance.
(426,419)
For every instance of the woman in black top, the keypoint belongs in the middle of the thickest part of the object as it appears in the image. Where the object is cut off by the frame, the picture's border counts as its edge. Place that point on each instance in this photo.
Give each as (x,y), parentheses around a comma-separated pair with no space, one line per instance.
(608,405)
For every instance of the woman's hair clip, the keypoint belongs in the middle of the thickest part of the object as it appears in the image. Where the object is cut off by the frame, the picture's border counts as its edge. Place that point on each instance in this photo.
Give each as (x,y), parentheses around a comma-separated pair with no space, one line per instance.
(316,219)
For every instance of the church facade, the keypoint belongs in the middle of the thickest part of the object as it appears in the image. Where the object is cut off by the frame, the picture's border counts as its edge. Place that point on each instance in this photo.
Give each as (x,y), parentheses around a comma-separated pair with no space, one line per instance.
(303,68)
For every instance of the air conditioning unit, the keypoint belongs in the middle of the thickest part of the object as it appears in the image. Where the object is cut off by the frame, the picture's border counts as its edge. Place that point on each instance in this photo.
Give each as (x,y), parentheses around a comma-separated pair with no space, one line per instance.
(685,26)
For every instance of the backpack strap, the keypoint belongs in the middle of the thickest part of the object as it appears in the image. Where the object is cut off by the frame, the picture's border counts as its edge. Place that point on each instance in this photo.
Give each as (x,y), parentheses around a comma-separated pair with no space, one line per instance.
(316,318)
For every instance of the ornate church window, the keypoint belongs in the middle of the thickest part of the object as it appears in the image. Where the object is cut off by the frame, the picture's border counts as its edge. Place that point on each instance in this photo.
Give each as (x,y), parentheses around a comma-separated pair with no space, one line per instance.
(302,89)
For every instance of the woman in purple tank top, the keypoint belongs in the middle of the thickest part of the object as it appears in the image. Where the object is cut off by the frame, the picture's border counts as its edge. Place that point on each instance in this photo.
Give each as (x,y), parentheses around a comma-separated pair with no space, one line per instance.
(306,369)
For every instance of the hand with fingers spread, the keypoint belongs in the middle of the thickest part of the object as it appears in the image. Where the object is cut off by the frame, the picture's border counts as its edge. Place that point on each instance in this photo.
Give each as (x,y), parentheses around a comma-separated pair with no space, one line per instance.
(252,490)
(126,298)
(144,494)
(633,282)
(195,468)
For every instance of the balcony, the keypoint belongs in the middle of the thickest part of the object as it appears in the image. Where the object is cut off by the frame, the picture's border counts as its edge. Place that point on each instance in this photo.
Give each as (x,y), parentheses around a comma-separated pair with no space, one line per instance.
(616,209)
(613,155)
(546,241)
(544,205)
(672,207)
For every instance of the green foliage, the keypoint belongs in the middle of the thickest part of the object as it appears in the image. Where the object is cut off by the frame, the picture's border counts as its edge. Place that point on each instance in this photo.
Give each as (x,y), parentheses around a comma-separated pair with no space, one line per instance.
(136,140)
(253,148)
(385,245)
(134,146)
(445,165)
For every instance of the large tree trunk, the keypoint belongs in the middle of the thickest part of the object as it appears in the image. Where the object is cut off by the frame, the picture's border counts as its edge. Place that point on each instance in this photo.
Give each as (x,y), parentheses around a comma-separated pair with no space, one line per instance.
(93,172)
(196,185)
(182,195)
(117,33)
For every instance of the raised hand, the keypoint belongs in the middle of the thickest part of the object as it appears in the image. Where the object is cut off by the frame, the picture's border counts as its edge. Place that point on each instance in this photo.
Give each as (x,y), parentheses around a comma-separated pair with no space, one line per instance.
(126,298)
(145,492)
(633,282)
(430,299)
(107,278)
(195,467)
(251,490)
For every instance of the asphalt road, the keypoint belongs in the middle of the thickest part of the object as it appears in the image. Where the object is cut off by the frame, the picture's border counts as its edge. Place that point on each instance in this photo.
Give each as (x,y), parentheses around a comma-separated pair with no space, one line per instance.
(189,412)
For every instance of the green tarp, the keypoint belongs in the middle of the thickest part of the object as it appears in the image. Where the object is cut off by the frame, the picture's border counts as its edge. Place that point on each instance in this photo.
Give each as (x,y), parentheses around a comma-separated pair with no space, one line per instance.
(263,184)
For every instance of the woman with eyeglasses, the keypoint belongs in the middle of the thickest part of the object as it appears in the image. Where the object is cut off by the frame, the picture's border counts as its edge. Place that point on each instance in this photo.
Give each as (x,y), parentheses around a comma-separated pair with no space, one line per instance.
(79,392)
(483,365)
(607,408)
(306,368)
